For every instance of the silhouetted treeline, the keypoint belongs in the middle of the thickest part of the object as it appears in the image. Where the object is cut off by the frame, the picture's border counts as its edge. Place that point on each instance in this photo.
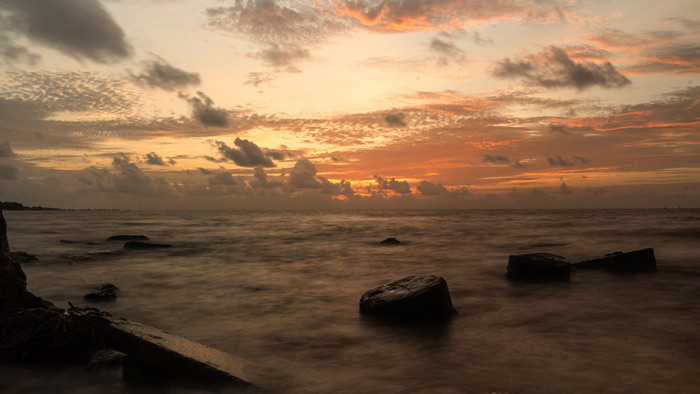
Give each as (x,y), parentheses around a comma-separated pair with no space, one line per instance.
(15,206)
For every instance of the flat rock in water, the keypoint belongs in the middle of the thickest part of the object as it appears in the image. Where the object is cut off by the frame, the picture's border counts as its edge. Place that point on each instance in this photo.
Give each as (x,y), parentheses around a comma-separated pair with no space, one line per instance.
(636,261)
(538,267)
(22,257)
(128,238)
(145,245)
(413,298)
(103,292)
(390,241)
(157,353)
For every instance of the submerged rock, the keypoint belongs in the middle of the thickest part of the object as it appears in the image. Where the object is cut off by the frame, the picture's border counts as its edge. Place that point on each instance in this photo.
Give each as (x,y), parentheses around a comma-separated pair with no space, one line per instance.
(636,261)
(538,267)
(23,257)
(106,358)
(413,298)
(145,245)
(390,241)
(103,292)
(128,238)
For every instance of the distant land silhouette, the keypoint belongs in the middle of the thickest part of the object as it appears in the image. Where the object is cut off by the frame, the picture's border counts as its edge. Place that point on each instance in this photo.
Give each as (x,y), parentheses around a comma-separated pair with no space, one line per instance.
(15,206)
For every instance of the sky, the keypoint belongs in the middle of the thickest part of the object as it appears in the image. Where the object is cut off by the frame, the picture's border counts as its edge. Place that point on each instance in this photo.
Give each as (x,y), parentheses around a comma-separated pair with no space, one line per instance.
(350,104)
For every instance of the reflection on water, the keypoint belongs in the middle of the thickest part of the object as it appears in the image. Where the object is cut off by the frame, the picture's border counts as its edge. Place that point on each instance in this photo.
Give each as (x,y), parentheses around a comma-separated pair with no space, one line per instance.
(282,290)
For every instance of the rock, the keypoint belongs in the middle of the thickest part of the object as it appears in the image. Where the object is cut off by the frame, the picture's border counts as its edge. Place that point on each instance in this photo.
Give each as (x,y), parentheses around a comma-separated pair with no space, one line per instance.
(104,292)
(538,267)
(390,241)
(157,354)
(66,241)
(107,358)
(13,282)
(22,257)
(144,245)
(128,238)
(413,298)
(619,262)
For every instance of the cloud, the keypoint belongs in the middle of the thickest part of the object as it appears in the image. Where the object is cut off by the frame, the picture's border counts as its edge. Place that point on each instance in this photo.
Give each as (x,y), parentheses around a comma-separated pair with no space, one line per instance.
(248,154)
(446,51)
(258,78)
(496,159)
(555,69)
(564,189)
(558,161)
(400,187)
(154,160)
(205,171)
(159,74)
(261,180)
(223,178)
(519,164)
(397,119)
(127,178)
(82,29)
(582,159)
(204,111)
(428,188)
(282,55)
(6,150)
(303,175)
(8,172)
(557,128)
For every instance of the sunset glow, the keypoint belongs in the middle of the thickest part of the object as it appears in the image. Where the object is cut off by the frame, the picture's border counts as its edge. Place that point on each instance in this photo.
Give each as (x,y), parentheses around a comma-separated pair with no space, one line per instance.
(243,104)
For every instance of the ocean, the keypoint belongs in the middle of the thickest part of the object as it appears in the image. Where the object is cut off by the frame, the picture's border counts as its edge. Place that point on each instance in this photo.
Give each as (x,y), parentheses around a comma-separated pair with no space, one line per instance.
(281,289)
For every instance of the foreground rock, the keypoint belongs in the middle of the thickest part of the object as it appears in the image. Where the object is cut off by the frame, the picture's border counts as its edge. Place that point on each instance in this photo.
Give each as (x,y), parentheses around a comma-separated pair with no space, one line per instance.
(538,267)
(103,292)
(390,241)
(154,353)
(619,262)
(128,238)
(145,245)
(413,298)
(35,331)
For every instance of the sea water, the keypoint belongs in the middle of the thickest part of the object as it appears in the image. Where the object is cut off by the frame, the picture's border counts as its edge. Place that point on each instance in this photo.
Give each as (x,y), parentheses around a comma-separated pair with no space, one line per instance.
(281,289)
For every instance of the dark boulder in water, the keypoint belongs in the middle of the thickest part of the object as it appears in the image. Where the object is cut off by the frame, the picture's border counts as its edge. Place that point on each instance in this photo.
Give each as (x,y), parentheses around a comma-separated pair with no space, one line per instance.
(128,238)
(423,297)
(538,267)
(104,292)
(145,245)
(22,257)
(619,262)
(390,241)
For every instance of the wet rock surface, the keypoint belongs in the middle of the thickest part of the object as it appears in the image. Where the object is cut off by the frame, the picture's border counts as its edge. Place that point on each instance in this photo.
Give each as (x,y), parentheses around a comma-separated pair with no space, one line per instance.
(145,245)
(126,237)
(619,262)
(538,267)
(104,292)
(423,297)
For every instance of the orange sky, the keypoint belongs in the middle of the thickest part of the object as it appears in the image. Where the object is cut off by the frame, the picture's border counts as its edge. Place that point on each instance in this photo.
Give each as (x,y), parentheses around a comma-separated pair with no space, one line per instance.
(188,104)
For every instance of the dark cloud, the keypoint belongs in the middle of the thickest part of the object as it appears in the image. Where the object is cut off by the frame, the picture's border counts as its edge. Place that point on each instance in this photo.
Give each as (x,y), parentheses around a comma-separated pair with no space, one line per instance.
(82,29)
(582,159)
(282,55)
(261,179)
(564,189)
(258,78)
(558,161)
(673,58)
(12,53)
(428,188)
(496,159)
(153,159)
(8,172)
(401,187)
(283,153)
(519,164)
(204,111)
(555,69)
(558,128)
(303,175)
(127,178)
(397,119)
(6,150)
(223,178)
(205,171)
(446,51)
(248,154)
(159,74)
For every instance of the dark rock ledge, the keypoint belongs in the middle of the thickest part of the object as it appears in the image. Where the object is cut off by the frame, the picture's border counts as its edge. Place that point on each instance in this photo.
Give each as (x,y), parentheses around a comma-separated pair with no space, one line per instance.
(35,331)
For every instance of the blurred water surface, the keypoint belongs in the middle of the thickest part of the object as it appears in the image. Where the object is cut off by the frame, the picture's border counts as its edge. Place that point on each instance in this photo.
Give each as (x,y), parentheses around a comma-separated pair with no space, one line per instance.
(281,289)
